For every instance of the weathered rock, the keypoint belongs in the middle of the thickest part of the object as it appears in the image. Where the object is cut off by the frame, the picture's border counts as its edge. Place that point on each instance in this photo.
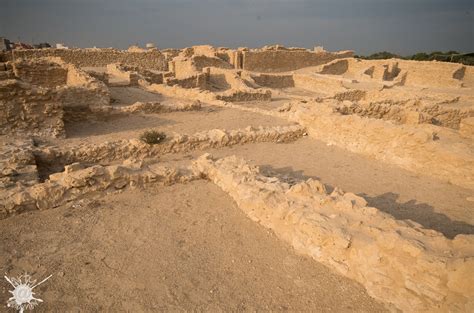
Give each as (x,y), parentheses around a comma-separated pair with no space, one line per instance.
(76,182)
(134,148)
(399,263)
(412,147)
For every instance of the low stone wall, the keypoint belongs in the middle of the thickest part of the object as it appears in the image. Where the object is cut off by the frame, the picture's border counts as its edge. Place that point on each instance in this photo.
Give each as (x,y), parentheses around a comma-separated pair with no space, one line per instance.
(119,74)
(400,263)
(287,60)
(17,163)
(25,109)
(156,107)
(404,72)
(152,59)
(40,72)
(232,85)
(406,112)
(217,98)
(45,92)
(180,92)
(199,80)
(336,67)
(274,81)
(244,95)
(185,67)
(414,148)
(318,83)
(90,85)
(78,181)
(134,148)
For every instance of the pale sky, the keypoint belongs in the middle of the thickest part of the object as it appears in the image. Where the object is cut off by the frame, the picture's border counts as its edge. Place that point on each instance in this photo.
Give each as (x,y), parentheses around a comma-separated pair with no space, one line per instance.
(366,26)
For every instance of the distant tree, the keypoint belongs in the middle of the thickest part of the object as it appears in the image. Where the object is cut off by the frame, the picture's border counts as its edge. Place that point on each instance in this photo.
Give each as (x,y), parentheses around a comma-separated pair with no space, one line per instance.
(452,52)
(420,56)
(382,56)
(449,56)
(436,53)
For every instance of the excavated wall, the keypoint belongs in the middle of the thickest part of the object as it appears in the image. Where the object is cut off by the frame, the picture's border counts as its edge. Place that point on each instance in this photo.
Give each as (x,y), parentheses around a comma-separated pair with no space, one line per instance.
(287,60)
(134,148)
(409,112)
(152,59)
(409,73)
(78,181)
(185,67)
(413,148)
(273,80)
(46,92)
(25,109)
(399,262)
(41,72)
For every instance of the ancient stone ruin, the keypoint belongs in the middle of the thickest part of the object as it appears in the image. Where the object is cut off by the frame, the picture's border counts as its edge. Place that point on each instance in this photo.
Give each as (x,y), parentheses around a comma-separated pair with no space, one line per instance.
(259,124)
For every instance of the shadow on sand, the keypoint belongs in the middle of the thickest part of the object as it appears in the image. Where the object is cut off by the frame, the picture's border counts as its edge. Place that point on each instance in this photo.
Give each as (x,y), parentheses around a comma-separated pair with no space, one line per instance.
(421,213)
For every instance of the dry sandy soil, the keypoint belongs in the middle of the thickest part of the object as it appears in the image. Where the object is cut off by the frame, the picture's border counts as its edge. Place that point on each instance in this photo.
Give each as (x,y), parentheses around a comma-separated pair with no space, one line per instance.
(178,248)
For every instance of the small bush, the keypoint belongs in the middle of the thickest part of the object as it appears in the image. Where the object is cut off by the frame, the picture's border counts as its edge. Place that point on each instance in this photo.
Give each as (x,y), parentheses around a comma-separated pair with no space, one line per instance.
(152,137)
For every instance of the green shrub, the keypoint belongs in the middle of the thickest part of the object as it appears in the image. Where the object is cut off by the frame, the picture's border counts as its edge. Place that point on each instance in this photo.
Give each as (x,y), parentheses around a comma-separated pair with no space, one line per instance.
(152,137)
(382,56)
(421,56)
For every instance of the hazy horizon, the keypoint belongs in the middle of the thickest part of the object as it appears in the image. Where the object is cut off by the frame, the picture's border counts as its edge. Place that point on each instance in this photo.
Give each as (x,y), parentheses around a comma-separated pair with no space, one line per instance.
(365,26)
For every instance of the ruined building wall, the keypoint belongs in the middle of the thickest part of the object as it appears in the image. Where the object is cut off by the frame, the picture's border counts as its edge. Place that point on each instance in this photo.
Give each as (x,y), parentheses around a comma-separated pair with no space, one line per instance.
(410,268)
(287,60)
(152,59)
(274,81)
(433,74)
(83,94)
(412,148)
(185,67)
(416,73)
(199,80)
(42,72)
(26,109)
(41,93)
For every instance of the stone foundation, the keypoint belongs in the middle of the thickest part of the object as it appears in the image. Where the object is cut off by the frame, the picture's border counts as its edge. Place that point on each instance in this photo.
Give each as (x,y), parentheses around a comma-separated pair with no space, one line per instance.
(400,263)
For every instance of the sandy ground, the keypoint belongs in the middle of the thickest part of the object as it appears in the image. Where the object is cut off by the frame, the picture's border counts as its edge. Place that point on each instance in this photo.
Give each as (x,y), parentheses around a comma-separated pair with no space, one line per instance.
(130,95)
(189,122)
(178,248)
(432,203)
(132,125)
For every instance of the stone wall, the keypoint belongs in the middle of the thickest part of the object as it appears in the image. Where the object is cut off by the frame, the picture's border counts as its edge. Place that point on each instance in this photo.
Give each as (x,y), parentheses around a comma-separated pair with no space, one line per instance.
(78,181)
(46,91)
(405,72)
(40,72)
(199,80)
(318,83)
(185,67)
(400,263)
(17,163)
(416,148)
(134,148)
(152,59)
(153,107)
(83,95)
(26,109)
(287,60)
(274,81)
(120,75)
